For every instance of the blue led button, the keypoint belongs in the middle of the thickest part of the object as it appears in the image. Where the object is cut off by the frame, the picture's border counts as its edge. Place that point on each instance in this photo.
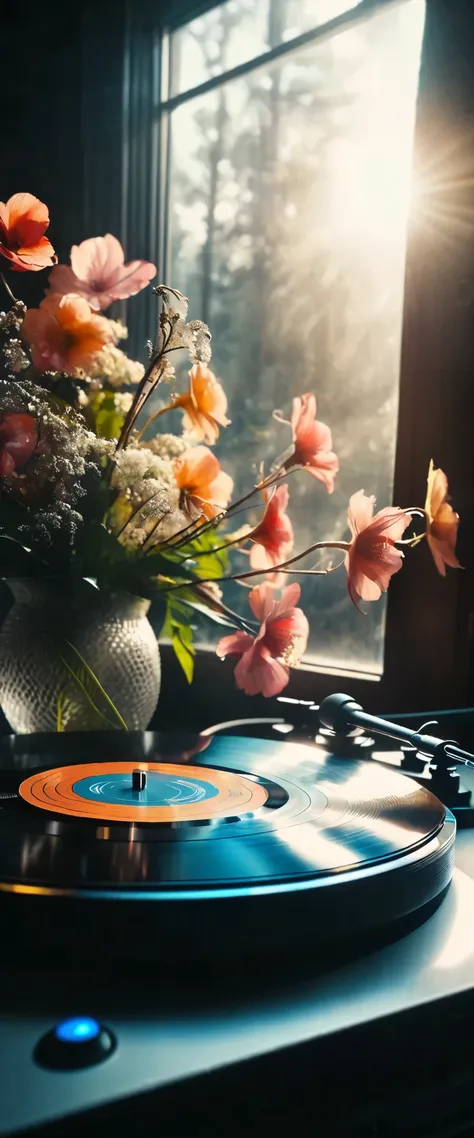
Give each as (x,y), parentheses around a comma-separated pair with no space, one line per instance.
(74,1043)
(77,1030)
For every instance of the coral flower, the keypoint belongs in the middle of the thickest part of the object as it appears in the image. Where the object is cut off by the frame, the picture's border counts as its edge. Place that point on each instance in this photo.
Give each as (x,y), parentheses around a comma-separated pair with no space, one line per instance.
(441,522)
(313,443)
(265,659)
(273,537)
(98,273)
(18,439)
(64,334)
(23,223)
(204,488)
(372,557)
(204,405)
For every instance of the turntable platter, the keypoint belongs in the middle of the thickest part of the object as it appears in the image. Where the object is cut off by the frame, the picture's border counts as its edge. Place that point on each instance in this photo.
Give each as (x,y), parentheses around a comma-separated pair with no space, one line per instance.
(262,834)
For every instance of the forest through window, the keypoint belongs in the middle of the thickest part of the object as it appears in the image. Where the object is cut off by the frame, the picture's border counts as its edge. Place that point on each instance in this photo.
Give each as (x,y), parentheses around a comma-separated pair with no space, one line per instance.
(288,191)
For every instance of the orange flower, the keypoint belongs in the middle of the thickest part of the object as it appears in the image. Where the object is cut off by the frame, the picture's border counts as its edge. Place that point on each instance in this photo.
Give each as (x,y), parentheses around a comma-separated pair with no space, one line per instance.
(204,405)
(372,557)
(273,536)
(23,221)
(441,521)
(64,334)
(204,488)
(313,443)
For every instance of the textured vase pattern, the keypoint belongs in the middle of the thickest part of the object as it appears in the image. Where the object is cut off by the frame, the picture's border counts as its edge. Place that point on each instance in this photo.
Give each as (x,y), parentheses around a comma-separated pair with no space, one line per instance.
(110,632)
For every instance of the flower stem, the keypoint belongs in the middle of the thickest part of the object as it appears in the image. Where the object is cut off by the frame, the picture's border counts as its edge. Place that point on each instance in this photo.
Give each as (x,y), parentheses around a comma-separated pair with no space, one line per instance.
(9,291)
(270,480)
(150,380)
(169,407)
(218,548)
(218,606)
(170,543)
(345,545)
(135,513)
(312,572)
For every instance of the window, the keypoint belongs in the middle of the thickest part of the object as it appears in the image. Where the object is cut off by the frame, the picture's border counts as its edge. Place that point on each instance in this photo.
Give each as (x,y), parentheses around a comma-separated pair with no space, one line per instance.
(327,82)
(288,192)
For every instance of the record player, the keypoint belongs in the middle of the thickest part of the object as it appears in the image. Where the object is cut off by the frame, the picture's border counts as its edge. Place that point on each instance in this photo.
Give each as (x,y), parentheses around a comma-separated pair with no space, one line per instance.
(272,927)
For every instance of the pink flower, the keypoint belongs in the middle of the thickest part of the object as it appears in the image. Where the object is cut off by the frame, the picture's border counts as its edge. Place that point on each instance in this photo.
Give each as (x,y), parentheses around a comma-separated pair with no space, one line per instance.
(204,488)
(265,659)
(18,439)
(99,274)
(372,557)
(313,443)
(64,334)
(273,537)
(23,223)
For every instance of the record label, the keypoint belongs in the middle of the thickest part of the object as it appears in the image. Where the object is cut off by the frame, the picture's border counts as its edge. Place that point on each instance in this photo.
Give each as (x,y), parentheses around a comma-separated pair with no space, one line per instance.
(173,793)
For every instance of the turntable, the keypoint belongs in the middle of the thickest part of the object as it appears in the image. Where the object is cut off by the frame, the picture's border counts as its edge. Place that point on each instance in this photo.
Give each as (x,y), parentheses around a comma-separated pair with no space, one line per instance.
(174,906)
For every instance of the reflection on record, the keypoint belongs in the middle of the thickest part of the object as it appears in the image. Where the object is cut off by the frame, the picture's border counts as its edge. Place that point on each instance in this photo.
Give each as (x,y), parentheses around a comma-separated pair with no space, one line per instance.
(193,813)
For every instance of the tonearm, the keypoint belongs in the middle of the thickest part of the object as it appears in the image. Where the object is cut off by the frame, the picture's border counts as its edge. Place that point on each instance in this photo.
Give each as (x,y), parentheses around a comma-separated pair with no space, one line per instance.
(341,714)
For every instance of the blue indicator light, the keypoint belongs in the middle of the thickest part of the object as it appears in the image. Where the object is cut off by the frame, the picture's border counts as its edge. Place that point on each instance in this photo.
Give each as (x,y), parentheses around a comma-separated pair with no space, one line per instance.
(79,1029)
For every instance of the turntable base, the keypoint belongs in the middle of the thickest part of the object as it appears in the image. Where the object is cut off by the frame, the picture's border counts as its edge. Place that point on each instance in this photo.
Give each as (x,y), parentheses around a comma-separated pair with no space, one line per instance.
(173,1048)
(223,927)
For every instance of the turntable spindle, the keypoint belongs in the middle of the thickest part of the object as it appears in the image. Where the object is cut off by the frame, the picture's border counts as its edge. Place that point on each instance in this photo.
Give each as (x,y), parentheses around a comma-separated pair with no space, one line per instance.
(138,780)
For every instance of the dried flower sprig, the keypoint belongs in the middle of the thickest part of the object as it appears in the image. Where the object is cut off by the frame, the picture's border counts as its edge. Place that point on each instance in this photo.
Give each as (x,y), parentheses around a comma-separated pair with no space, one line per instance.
(174,334)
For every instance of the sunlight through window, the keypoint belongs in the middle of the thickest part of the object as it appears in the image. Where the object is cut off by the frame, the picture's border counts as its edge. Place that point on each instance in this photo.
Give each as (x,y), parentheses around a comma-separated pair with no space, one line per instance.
(290,191)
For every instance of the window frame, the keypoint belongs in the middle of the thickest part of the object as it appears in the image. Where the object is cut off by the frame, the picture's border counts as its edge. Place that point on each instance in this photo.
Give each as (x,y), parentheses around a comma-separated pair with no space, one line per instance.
(428,639)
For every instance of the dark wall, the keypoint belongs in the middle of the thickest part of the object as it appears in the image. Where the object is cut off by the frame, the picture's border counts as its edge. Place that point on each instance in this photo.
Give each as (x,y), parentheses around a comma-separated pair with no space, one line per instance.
(104,32)
(41,147)
(59,107)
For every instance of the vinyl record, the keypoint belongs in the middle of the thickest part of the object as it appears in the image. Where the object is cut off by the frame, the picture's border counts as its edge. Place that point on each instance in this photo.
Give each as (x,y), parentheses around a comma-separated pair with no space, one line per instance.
(168,821)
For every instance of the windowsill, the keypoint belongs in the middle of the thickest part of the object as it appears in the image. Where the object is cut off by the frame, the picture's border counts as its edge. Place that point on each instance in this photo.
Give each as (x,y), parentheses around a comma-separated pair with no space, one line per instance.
(311,666)
(213,696)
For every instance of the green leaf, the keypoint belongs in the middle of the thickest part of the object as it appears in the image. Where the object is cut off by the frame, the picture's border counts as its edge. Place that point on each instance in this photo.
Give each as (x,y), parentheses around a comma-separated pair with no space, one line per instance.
(107,420)
(16,561)
(211,608)
(100,555)
(176,628)
(14,513)
(206,563)
(100,498)
(143,575)
(62,395)
(182,642)
(108,424)
(61,704)
(88,684)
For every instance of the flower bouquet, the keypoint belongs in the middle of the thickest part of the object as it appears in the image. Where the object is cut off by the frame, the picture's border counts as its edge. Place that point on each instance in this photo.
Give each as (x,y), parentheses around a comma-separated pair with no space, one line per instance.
(103,512)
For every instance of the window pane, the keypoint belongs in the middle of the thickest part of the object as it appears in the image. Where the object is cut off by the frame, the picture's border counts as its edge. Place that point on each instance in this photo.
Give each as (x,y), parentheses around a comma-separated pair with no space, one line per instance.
(239,30)
(302,15)
(289,193)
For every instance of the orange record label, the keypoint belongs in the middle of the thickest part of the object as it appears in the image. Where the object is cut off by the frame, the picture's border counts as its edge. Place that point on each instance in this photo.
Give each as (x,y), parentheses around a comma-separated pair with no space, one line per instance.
(118,792)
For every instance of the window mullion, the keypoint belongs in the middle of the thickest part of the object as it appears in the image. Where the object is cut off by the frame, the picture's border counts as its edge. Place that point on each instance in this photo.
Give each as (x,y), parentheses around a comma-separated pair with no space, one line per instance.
(346,20)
